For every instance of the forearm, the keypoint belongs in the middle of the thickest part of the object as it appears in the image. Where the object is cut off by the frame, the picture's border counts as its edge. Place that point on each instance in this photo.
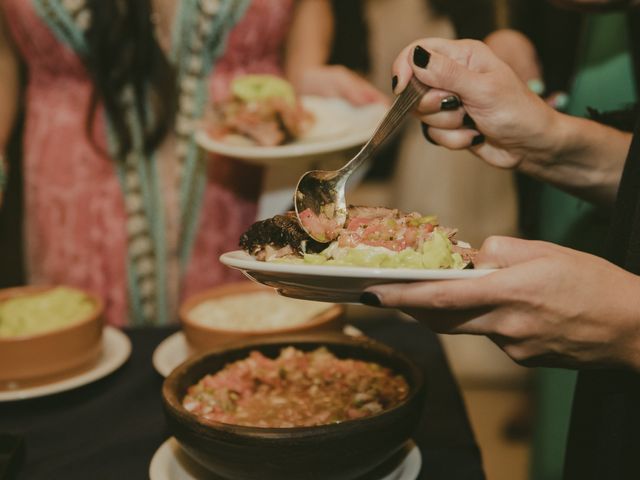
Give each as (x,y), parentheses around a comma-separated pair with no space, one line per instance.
(9,95)
(310,38)
(583,157)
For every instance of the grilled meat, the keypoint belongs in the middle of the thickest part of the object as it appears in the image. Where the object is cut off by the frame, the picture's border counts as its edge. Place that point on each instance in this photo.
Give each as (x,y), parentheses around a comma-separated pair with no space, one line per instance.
(280,236)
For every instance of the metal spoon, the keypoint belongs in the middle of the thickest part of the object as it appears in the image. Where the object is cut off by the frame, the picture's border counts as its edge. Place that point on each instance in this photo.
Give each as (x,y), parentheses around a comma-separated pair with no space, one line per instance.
(319,198)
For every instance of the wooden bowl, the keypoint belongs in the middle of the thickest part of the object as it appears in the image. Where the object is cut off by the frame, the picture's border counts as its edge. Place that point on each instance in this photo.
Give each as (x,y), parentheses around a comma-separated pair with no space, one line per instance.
(339,451)
(47,355)
(204,337)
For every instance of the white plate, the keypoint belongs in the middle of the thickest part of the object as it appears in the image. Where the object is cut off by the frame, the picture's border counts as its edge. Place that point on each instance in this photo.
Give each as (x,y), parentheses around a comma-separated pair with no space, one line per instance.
(338,126)
(326,283)
(175,349)
(116,348)
(171,352)
(170,462)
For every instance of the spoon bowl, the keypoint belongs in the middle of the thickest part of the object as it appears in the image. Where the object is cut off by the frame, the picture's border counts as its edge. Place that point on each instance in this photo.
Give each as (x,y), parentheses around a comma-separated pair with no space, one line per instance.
(319,198)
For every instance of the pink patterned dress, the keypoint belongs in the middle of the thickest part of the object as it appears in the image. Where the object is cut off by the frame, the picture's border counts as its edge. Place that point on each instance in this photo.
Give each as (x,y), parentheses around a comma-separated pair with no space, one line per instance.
(145,232)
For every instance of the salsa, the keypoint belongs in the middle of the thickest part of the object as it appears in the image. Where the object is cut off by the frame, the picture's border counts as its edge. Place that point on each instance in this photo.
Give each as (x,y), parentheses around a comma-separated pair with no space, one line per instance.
(296,389)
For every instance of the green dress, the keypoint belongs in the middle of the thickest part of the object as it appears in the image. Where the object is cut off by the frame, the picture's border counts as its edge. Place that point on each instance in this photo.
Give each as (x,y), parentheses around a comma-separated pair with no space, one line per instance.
(604,81)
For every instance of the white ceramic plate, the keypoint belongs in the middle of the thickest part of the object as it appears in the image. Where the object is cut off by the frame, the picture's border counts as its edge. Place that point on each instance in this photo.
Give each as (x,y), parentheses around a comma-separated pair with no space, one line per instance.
(175,349)
(338,126)
(116,348)
(327,283)
(170,462)
(171,352)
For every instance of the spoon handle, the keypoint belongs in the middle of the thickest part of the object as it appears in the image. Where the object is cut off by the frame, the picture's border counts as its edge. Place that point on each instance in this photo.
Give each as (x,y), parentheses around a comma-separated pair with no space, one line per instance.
(403,104)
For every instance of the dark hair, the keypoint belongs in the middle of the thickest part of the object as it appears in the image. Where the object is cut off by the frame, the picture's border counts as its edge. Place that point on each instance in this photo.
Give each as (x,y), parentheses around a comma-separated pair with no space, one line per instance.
(123,52)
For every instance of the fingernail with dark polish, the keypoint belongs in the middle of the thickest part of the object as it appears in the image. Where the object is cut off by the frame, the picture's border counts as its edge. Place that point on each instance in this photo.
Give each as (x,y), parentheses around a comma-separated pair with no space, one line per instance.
(467,121)
(394,83)
(371,299)
(421,57)
(450,103)
(477,140)
(425,132)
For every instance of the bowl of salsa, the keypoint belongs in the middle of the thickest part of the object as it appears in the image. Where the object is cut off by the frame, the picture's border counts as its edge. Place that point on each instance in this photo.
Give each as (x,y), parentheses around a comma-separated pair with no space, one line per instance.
(294,407)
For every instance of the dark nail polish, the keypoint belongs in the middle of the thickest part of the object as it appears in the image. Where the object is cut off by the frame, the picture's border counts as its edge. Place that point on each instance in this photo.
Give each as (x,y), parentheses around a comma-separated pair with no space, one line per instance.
(371,299)
(450,103)
(394,83)
(477,140)
(421,57)
(468,122)
(425,132)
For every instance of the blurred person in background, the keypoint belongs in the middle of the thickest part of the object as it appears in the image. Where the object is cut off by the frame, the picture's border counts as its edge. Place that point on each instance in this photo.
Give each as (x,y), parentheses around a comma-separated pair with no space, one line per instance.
(546,305)
(118,198)
(592,57)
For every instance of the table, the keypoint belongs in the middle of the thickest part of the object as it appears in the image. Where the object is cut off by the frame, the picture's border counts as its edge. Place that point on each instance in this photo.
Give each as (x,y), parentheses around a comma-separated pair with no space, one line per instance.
(110,429)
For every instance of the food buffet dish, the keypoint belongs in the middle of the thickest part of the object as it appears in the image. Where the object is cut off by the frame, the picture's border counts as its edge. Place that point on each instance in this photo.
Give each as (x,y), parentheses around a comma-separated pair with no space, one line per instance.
(245,309)
(50,352)
(339,451)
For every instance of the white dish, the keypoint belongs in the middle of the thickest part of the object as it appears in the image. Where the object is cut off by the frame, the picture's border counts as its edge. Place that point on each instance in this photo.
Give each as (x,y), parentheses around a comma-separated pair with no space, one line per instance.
(175,349)
(116,348)
(328,283)
(338,126)
(170,462)
(171,352)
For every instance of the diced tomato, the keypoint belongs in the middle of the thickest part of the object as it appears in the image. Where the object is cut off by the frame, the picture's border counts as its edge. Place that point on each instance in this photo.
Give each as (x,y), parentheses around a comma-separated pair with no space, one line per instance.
(356,223)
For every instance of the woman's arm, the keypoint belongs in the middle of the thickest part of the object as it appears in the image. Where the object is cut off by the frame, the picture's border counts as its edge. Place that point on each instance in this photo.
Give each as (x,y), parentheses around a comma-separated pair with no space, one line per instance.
(310,38)
(9,95)
(308,50)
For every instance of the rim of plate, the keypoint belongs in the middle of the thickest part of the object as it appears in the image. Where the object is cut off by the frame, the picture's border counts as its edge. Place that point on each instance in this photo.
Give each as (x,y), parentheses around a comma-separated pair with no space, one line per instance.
(169,452)
(116,350)
(241,260)
(301,148)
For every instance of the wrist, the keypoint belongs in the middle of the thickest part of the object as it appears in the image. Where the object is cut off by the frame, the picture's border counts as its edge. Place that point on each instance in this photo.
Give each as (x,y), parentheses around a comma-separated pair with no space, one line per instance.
(549,141)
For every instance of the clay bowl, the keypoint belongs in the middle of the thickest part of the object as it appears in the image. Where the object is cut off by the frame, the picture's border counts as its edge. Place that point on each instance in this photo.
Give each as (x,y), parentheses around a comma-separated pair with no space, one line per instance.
(48,355)
(339,451)
(204,337)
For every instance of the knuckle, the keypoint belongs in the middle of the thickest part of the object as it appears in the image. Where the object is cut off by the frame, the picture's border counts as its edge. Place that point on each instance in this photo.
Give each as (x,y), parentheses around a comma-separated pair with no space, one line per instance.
(493,246)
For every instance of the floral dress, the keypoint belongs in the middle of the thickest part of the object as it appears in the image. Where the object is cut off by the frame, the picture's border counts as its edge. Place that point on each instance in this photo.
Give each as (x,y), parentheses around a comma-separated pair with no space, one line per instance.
(146,231)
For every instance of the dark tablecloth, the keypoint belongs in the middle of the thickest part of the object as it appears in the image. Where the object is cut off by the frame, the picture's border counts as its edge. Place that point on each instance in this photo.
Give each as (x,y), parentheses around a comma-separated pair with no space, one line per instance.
(110,429)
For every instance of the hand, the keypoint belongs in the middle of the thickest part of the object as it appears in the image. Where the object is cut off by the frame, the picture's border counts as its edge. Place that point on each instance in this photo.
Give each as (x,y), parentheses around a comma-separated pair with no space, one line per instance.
(517,51)
(509,123)
(338,81)
(546,305)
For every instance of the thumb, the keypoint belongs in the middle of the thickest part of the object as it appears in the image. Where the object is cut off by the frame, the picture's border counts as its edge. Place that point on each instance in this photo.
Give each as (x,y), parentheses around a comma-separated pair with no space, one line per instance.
(502,252)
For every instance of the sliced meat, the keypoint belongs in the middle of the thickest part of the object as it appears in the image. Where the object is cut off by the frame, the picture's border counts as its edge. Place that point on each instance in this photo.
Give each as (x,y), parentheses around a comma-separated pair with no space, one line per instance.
(354,211)
(468,254)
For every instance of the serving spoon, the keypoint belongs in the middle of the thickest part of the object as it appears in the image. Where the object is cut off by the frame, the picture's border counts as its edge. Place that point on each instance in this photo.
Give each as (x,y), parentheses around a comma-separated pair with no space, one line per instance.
(319,197)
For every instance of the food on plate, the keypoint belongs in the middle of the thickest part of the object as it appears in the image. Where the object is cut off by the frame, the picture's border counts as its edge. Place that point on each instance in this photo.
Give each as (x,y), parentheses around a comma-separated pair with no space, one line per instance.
(255,311)
(296,389)
(43,312)
(371,237)
(263,110)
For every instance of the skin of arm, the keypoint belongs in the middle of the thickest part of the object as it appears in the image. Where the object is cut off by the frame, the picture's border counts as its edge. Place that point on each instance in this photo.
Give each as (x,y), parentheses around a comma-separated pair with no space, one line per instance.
(546,305)
(307,53)
(519,130)
(10,85)
(9,95)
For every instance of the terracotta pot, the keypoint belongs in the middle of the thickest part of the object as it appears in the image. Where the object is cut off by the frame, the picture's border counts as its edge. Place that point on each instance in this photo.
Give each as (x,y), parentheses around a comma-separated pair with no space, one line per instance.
(49,354)
(203,337)
(339,451)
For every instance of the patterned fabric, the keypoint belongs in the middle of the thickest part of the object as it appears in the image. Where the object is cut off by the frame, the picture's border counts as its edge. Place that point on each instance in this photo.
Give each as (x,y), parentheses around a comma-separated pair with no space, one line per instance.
(149,232)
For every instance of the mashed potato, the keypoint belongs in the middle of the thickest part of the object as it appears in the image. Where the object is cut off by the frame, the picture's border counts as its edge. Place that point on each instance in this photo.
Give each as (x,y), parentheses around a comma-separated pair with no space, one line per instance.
(255,311)
(43,312)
